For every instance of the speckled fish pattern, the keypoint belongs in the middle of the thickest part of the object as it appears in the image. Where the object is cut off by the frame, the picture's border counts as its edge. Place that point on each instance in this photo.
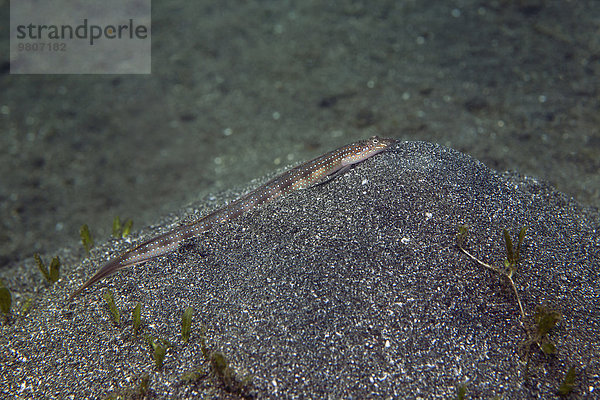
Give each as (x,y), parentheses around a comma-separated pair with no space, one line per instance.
(300,177)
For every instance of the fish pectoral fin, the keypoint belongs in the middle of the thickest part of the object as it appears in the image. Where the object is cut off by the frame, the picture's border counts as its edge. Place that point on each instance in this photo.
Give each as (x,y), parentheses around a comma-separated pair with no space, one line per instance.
(331,176)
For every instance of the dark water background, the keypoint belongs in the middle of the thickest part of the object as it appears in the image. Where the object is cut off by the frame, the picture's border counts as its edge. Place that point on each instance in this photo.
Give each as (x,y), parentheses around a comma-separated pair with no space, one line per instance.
(241,88)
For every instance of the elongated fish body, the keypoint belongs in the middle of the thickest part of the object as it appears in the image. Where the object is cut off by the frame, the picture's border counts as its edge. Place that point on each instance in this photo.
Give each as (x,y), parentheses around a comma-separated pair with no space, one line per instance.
(300,177)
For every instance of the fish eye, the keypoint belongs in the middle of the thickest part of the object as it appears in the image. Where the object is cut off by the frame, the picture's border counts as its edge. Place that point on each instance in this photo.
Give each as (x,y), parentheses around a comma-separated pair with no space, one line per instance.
(374,140)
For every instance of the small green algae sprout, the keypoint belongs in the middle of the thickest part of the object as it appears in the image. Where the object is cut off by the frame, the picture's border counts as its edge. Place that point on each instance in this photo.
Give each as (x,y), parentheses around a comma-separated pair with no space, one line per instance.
(127,228)
(545,318)
(227,376)
(568,383)
(51,274)
(186,324)
(159,355)
(121,230)
(221,368)
(510,263)
(461,392)
(26,306)
(203,347)
(114,311)
(140,390)
(136,317)
(194,376)
(5,300)
(218,367)
(86,238)
(159,350)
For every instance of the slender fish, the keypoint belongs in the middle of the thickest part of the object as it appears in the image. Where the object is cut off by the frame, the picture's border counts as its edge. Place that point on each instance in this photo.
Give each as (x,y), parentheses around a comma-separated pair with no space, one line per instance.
(309,174)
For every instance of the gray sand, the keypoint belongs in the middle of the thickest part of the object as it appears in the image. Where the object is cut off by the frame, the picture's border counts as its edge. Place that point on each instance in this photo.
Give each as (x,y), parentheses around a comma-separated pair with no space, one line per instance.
(352,289)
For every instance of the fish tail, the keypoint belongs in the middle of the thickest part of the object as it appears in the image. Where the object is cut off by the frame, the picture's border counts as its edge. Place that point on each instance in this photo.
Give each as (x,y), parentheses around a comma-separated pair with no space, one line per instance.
(108,269)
